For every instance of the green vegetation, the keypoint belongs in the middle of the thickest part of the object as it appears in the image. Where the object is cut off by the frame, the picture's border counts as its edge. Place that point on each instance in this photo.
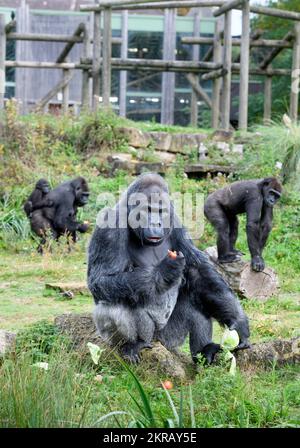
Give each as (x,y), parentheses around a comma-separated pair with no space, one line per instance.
(67,394)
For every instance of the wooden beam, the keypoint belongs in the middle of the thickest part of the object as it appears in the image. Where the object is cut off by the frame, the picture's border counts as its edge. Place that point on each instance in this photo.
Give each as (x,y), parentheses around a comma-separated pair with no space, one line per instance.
(200,92)
(151,4)
(44,37)
(217,83)
(96,59)
(168,79)
(253,38)
(2,59)
(226,91)
(267,100)
(66,50)
(244,72)
(50,65)
(214,74)
(106,63)
(294,101)
(273,53)
(85,87)
(123,73)
(236,42)
(273,12)
(54,91)
(228,6)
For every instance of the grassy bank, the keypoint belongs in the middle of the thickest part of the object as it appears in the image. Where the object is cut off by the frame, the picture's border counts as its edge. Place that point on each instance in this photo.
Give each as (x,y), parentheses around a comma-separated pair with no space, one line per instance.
(67,394)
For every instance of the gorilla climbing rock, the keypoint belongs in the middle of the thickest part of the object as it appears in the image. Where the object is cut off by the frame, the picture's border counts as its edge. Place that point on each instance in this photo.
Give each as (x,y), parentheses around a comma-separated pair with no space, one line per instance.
(150,282)
(38,198)
(256,198)
(60,218)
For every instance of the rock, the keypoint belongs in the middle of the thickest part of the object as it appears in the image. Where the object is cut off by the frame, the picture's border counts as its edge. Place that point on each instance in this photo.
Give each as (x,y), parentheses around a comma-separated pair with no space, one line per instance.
(222,136)
(267,353)
(223,147)
(135,137)
(69,289)
(160,140)
(243,280)
(80,328)
(98,379)
(166,157)
(165,362)
(124,157)
(7,341)
(238,149)
(202,151)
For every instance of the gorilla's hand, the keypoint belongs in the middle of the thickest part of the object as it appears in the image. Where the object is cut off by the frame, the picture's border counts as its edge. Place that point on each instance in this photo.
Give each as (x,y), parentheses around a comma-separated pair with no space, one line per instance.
(49,203)
(257,263)
(171,269)
(242,328)
(82,228)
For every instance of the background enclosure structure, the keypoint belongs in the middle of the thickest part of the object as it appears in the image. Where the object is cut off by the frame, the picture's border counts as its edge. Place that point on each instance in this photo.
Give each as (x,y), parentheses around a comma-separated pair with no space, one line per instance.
(165,73)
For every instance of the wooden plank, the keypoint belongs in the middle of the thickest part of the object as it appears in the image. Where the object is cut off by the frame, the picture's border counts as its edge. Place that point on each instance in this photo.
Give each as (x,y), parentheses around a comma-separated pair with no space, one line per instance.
(50,65)
(273,53)
(267,100)
(195,57)
(168,79)
(273,12)
(217,83)
(151,4)
(199,91)
(96,59)
(44,37)
(2,59)
(228,6)
(66,50)
(106,62)
(85,87)
(244,72)
(57,88)
(123,73)
(294,100)
(226,91)
(236,42)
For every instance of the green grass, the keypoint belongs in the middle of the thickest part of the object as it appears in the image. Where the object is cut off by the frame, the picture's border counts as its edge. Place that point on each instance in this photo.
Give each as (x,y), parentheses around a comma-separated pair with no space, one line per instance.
(67,394)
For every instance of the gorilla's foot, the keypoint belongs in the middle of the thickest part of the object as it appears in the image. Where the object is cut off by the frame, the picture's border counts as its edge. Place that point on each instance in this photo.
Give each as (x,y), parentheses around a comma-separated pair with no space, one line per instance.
(236,252)
(229,258)
(130,351)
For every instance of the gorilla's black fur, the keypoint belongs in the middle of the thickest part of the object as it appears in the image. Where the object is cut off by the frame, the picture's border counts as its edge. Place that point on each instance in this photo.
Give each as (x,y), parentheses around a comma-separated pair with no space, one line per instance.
(256,198)
(38,198)
(60,218)
(142,294)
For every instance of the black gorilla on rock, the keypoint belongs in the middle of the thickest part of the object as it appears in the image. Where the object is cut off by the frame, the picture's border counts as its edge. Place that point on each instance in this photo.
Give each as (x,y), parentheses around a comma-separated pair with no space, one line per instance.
(38,198)
(142,291)
(256,198)
(60,218)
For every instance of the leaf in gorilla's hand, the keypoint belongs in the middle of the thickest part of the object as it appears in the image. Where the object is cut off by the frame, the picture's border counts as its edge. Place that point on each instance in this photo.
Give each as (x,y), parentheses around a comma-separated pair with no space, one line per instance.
(172,254)
(230,339)
(95,352)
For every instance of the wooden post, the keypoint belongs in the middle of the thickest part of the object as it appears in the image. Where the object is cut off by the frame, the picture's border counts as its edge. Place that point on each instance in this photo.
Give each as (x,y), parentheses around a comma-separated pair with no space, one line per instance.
(96,59)
(168,79)
(268,100)
(295,75)
(217,83)
(244,74)
(196,53)
(66,92)
(85,73)
(22,53)
(106,63)
(123,73)
(2,59)
(226,93)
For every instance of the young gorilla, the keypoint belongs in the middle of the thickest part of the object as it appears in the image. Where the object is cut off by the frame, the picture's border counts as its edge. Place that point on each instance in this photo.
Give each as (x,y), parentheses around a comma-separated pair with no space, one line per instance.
(142,292)
(256,198)
(60,218)
(38,198)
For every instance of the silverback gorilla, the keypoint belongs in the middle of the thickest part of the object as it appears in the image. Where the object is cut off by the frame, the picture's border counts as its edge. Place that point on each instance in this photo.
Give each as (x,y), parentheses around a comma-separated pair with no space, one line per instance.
(256,198)
(38,199)
(60,218)
(144,292)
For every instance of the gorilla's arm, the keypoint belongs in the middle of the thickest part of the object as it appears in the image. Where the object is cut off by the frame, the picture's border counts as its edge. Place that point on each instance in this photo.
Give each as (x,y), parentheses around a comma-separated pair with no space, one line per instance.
(112,278)
(253,210)
(35,197)
(208,291)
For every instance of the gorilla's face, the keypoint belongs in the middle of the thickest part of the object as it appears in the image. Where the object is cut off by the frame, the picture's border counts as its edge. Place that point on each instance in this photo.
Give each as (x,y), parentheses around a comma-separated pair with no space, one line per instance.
(81,191)
(150,215)
(271,192)
(43,185)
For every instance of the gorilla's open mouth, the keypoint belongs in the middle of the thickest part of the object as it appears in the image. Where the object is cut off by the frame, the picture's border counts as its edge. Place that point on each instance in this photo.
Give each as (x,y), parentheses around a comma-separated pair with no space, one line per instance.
(154,239)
